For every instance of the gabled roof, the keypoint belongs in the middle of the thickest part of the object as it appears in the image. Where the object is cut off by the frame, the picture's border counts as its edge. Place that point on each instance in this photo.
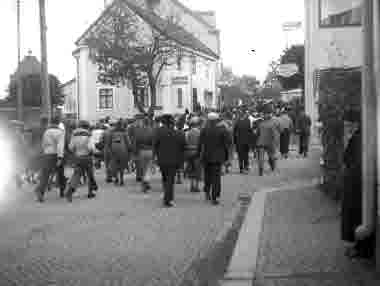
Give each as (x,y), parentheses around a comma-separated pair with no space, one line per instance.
(194,14)
(172,31)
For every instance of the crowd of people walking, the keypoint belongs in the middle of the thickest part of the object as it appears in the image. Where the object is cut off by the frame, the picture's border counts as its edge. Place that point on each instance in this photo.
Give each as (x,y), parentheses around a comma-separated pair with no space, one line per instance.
(198,147)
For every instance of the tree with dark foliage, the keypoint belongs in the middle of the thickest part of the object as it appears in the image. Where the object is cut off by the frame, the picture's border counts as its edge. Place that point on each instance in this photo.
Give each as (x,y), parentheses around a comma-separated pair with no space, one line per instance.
(124,55)
(32,90)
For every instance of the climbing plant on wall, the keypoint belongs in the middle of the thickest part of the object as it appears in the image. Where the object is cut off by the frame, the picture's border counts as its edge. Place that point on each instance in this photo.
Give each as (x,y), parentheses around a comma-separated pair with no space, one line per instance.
(339,100)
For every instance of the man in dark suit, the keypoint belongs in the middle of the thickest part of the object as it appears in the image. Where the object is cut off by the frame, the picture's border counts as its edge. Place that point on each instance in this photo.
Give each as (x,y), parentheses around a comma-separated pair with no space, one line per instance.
(169,148)
(304,133)
(242,139)
(214,143)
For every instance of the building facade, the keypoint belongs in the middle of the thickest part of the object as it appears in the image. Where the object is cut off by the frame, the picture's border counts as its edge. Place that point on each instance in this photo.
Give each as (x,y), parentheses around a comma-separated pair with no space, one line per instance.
(333,39)
(189,83)
(70,107)
(347,34)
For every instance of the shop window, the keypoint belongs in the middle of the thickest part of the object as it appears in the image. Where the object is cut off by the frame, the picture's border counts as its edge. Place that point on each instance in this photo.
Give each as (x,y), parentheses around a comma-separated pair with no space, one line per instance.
(338,13)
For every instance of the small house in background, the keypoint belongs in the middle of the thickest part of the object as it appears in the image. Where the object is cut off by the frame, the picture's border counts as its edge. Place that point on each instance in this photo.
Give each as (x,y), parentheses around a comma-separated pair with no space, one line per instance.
(186,85)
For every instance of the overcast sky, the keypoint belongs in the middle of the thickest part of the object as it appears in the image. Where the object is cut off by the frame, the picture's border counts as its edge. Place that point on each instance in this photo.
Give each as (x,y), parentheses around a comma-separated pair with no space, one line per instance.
(244,25)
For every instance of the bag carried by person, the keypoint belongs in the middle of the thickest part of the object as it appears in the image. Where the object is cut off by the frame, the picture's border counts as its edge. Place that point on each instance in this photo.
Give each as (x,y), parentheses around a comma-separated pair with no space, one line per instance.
(118,144)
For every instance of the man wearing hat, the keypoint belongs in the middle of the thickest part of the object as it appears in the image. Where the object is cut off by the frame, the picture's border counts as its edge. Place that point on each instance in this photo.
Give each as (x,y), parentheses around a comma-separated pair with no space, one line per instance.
(191,154)
(169,148)
(81,147)
(214,143)
(242,139)
(134,132)
(267,141)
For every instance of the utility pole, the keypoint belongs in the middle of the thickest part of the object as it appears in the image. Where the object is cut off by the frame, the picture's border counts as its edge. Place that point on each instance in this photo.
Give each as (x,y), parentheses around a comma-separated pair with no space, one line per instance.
(369,123)
(19,108)
(46,101)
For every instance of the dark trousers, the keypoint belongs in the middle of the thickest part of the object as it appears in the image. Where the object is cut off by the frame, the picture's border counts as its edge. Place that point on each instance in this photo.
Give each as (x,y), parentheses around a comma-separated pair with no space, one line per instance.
(304,144)
(168,180)
(212,179)
(83,164)
(243,155)
(107,163)
(139,170)
(284,141)
(48,168)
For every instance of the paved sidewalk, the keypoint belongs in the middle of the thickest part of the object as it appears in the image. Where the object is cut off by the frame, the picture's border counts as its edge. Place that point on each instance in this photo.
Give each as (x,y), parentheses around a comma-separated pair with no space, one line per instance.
(291,236)
(300,243)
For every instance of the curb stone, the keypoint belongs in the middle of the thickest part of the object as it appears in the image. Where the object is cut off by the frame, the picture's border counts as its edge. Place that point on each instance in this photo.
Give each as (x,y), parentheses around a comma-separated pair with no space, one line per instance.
(242,269)
(203,270)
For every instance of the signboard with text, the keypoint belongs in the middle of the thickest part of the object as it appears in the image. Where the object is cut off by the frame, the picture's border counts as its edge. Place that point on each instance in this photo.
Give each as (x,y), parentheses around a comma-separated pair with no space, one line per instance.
(287,70)
(180,80)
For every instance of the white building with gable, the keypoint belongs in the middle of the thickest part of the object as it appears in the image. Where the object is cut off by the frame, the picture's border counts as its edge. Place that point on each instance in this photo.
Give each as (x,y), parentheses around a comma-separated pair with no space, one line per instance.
(191,82)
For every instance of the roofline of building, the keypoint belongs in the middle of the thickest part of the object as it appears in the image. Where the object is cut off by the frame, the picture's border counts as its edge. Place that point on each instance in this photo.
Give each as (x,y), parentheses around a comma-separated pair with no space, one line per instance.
(105,12)
(177,2)
(210,52)
(209,13)
(193,13)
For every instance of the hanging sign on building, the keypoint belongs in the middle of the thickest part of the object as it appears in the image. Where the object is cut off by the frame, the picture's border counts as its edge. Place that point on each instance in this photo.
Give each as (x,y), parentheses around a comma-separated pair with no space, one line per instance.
(287,70)
(291,26)
(180,80)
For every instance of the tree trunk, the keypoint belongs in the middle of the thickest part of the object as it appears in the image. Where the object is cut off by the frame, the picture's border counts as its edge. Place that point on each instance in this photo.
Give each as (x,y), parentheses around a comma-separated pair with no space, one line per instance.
(153,92)
(137,100)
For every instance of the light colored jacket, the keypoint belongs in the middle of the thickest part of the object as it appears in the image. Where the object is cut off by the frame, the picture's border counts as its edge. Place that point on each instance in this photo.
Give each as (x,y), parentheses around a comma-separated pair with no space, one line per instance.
(95,138)
(80,142)
(53,141)
(286,122)
(268,134)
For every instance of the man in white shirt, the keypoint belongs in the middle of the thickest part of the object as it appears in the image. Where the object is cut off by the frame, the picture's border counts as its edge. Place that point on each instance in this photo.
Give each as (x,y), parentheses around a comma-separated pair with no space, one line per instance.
(53,145)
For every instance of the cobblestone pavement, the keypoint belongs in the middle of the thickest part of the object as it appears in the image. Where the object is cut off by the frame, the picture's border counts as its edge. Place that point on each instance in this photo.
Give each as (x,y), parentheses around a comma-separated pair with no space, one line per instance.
(122,237)
(300,243)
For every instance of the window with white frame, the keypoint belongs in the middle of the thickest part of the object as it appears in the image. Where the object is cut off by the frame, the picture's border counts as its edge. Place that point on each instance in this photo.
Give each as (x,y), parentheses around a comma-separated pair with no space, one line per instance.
(338,13)
(105,98)
(179,98)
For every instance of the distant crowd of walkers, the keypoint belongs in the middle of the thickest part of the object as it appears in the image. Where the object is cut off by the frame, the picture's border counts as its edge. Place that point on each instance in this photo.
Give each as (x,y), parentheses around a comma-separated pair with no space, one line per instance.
(200,147)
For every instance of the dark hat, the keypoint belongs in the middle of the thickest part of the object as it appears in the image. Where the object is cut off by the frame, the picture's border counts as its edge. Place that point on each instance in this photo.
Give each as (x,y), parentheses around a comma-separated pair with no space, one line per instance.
(139,116)
(167,119)
(84,124)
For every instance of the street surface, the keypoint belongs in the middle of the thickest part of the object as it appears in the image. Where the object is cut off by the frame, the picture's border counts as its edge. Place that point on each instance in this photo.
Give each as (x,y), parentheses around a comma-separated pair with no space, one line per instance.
(122,237)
